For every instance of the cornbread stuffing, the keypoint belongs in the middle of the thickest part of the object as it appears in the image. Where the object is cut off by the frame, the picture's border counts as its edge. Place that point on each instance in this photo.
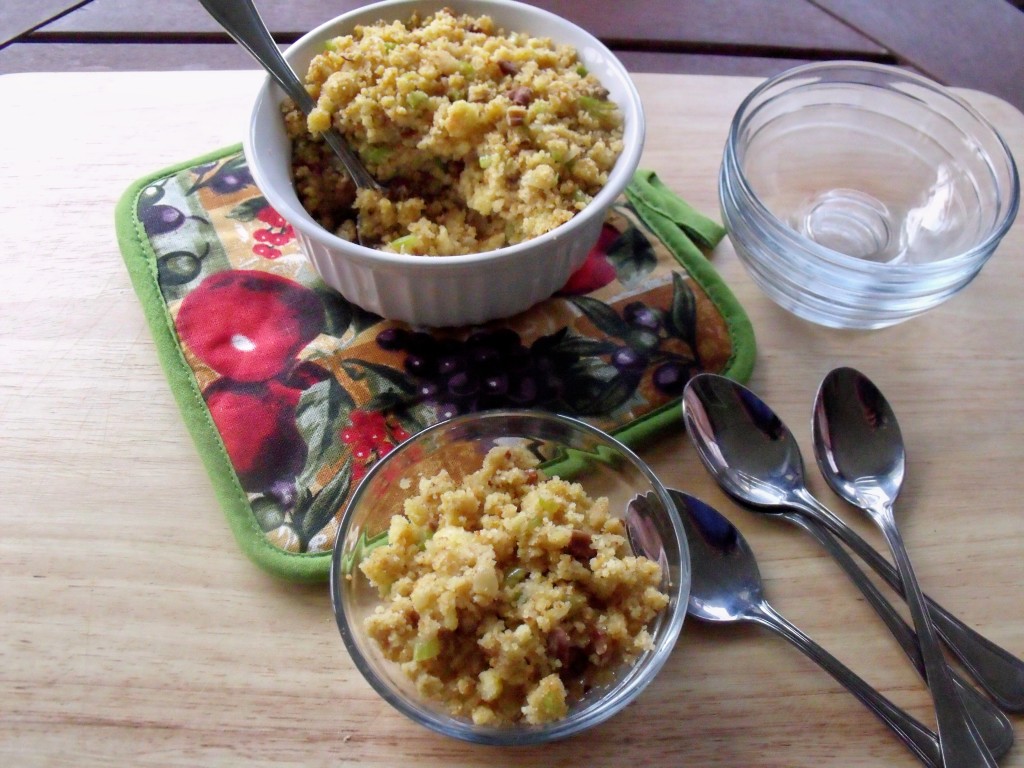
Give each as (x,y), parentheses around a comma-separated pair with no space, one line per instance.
(484,138)
(509,595)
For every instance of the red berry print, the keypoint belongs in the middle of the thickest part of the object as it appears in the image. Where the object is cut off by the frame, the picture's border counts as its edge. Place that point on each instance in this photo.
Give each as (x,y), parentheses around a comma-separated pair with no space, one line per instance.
(278,232)
(269,216)
(370,437)
(266,251)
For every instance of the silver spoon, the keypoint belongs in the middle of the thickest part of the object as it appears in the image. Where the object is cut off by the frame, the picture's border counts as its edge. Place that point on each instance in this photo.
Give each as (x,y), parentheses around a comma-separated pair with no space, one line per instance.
(242,21)
(756,459)
(860,450)
(726,587)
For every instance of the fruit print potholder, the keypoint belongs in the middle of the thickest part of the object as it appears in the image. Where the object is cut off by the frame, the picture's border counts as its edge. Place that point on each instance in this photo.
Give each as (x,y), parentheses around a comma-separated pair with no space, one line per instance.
(291,393)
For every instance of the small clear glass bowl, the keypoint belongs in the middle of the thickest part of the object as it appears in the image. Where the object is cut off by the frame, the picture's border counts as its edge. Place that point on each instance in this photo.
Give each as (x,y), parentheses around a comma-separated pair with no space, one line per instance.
(860,195)
(570,449)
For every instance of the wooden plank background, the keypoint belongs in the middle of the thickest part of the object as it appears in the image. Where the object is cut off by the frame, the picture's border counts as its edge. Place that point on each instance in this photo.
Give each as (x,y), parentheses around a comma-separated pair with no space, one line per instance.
(977,44)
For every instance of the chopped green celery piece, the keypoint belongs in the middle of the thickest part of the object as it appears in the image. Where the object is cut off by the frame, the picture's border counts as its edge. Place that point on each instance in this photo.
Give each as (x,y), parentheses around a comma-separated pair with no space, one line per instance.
(550,705)
(405,244)
(596,106)
(424,650)
(547,505)
(424,537)
(515,577)
(582,71)
(330,45)
(389,46)
(486,161)
(466,69)
(376,153)
(416,99)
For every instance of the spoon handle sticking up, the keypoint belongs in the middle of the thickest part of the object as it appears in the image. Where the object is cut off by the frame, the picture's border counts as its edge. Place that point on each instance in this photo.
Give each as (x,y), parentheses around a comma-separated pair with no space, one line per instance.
(241,20)
(860,451)
(995,669)
(994,727)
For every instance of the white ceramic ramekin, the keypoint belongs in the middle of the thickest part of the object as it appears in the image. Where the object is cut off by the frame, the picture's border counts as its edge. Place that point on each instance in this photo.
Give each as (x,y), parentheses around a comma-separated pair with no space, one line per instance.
(450,290)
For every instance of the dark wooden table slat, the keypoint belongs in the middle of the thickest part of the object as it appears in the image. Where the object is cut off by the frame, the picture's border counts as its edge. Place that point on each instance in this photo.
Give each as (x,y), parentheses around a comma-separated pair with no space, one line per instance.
(977,44)
(784,24)
(107,57)
(18,18)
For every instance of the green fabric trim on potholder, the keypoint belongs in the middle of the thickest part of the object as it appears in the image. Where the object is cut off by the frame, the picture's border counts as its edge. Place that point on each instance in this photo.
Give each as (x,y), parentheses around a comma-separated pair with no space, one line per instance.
(678,225)
(225,236)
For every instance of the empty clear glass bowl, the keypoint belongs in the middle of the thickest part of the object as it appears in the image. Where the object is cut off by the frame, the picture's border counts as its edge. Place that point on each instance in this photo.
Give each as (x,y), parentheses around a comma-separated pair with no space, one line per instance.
(569,449)
(860,195)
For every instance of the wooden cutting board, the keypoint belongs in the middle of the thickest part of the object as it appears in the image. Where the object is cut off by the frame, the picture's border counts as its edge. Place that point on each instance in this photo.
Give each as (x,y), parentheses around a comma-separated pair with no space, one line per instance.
(129,639)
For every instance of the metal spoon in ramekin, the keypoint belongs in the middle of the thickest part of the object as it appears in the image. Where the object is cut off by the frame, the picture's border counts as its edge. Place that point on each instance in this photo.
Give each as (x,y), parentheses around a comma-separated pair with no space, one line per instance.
(242,21)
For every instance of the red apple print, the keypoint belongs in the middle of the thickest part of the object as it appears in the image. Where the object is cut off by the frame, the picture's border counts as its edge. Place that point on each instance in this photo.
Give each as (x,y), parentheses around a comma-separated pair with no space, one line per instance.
(249,325)
(596,272)
(256,421)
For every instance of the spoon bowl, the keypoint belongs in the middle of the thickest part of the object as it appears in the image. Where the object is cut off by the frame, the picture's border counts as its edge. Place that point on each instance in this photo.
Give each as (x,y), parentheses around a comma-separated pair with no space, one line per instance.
(743,443)
(857,440)
(725,582)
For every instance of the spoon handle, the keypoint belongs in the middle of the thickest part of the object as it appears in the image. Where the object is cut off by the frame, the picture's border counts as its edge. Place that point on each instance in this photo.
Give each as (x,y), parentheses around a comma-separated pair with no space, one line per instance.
(919,739)
(995,669)
(959,740)
(241,20)
(995,728)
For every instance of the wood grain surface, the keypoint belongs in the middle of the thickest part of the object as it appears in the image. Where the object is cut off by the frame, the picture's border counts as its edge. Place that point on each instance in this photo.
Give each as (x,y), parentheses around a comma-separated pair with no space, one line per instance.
(135,634)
